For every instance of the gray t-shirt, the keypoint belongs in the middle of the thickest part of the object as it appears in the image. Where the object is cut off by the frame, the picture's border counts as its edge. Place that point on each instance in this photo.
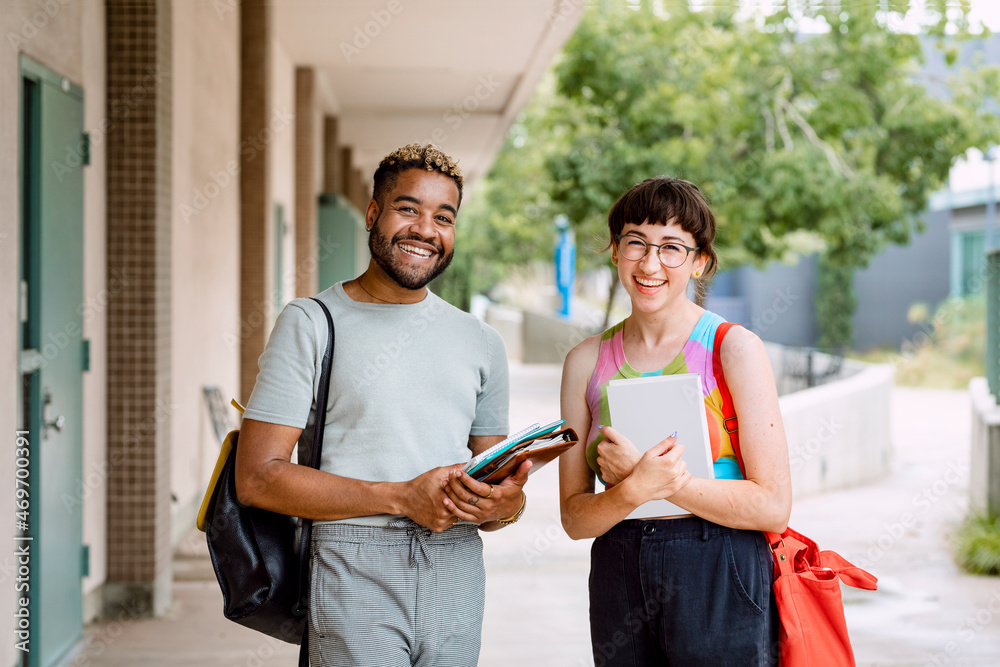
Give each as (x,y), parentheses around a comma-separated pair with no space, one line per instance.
(409,384)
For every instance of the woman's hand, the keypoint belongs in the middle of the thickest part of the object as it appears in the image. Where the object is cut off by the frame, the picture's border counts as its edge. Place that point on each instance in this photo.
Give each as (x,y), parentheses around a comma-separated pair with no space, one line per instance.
(616,455)
(660,472)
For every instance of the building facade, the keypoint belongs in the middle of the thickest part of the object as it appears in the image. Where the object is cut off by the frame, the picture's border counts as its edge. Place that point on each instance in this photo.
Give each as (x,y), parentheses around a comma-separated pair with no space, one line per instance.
(172,173)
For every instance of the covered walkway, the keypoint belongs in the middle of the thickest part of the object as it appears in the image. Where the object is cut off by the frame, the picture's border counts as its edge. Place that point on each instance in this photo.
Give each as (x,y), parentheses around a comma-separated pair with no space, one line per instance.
(925,613)
(172,173)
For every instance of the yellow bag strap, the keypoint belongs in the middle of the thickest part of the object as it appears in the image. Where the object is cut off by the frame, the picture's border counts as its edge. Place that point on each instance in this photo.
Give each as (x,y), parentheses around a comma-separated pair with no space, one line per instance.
(227,447)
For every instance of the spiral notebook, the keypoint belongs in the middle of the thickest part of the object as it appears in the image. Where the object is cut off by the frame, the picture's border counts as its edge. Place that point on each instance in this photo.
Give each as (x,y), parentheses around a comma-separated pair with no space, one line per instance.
(488,462)
(648,409)
(539,451)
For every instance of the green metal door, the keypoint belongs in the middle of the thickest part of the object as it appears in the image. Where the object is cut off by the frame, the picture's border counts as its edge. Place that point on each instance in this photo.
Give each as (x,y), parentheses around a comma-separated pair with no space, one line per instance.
(52,358)
(343,243)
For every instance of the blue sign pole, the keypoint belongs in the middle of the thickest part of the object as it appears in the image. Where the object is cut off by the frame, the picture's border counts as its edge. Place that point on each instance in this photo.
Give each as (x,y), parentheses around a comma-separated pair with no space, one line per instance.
(565,258)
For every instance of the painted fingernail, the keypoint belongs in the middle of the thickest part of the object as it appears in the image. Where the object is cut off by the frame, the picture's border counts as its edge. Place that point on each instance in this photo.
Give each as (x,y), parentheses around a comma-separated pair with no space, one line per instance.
(674,434)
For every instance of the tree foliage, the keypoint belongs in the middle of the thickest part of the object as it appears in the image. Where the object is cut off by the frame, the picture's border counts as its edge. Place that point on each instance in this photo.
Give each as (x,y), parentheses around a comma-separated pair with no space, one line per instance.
(508,220)
(827,134)
(826,137)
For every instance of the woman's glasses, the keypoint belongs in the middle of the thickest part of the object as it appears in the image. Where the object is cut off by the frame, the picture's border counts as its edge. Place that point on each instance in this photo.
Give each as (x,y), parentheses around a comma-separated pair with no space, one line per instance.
(671,255)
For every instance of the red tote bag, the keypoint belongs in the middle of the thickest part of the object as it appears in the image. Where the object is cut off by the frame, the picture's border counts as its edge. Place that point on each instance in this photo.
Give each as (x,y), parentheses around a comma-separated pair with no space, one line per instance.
(812,629)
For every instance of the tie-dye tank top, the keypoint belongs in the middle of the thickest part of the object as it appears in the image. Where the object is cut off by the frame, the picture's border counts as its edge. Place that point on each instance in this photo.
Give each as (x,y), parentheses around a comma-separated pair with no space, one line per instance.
(695,357)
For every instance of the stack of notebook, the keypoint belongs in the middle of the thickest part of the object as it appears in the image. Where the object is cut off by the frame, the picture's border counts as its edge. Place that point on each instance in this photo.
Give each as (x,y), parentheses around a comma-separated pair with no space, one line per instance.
(539,444)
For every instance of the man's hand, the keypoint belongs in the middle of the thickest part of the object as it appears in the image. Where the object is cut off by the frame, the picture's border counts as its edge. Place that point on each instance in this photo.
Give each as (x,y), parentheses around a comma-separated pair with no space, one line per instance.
(616,456)
(483,503)
(424,498)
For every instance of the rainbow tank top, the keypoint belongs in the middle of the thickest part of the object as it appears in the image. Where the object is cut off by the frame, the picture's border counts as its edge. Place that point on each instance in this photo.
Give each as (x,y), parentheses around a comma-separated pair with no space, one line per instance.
(695,357)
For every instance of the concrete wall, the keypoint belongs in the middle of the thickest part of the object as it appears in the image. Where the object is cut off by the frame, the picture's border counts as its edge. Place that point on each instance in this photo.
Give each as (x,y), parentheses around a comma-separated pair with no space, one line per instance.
(9,240)
(207,330)
(546,339)
(984,487)
(205,244)
(839,433)
(9,243)
(509,322)
(97,287)
(283,168)
(66,37)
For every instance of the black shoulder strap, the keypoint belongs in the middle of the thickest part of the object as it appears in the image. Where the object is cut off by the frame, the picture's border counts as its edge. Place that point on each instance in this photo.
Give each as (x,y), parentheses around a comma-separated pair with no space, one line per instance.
(323,392)
(315,457)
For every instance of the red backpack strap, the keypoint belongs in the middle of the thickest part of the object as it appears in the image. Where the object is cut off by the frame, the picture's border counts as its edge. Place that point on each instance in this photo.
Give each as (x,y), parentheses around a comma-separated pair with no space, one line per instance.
(729,420)
(729,411)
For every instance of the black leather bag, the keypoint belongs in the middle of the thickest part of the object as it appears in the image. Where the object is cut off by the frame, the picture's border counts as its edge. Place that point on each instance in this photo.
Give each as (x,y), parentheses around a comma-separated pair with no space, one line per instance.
(265,583)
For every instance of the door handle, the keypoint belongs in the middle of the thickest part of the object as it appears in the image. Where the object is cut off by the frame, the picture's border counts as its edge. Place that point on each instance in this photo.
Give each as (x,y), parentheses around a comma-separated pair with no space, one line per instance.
(56,423)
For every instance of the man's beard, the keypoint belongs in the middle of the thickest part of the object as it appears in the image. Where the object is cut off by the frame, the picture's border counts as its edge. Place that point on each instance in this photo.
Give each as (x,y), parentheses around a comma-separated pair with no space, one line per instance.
(406,276)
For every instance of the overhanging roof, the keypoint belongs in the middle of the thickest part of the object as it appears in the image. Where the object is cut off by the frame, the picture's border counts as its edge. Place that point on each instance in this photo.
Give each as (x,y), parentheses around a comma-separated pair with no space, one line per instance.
(454,72)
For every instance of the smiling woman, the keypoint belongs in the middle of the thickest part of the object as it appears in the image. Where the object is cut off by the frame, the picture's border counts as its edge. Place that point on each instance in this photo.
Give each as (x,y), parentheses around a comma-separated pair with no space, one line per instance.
(687,568)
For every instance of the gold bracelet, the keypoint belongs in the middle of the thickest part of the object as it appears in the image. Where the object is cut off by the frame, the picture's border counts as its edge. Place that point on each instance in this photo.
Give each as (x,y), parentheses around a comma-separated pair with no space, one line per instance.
(518,513)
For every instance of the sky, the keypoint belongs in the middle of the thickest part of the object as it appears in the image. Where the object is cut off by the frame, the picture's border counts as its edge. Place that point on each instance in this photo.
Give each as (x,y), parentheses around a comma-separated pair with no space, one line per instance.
(987,11)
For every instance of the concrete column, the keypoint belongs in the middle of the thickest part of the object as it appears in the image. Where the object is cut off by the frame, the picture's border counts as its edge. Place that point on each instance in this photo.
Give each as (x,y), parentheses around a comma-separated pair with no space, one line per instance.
(332,181)
(346,155)
(255,200)
(306,273)
(139,50)
(360,190)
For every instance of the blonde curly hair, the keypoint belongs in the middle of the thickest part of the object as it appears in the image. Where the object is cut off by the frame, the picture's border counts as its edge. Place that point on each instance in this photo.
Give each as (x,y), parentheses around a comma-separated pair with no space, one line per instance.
(414,156)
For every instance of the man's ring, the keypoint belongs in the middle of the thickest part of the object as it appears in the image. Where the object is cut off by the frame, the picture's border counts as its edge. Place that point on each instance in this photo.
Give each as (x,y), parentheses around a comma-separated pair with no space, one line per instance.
(491,492)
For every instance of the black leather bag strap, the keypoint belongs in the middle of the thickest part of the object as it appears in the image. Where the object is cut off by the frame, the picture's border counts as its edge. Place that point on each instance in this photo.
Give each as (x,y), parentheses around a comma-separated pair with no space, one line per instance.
(315,457)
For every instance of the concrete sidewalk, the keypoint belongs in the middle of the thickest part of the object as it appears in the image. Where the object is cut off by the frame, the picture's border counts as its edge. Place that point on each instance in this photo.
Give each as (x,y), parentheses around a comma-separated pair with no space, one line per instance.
(926,612)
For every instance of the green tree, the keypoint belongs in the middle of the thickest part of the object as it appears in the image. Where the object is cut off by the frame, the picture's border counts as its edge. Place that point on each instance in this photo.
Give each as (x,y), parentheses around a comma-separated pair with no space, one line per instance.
(824,139)
(835,303)
(508,220)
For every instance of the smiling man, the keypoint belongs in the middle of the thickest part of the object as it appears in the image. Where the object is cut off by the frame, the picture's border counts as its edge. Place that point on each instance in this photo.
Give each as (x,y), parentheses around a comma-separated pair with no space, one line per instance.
(417,387)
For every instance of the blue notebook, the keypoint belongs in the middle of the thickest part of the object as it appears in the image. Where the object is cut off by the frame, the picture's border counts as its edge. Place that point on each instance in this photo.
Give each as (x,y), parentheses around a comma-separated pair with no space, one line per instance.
(502,447)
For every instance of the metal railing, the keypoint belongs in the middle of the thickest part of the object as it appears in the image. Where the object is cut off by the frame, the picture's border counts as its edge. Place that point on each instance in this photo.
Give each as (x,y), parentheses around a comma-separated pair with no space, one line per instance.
(805,367)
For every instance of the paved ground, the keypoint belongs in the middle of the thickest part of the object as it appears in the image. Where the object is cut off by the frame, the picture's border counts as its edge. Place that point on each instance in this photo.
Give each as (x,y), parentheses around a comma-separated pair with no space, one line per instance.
(926,612)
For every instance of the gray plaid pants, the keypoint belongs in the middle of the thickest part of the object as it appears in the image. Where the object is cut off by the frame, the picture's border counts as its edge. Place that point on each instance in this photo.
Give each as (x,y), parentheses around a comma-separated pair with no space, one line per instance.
(398,596)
